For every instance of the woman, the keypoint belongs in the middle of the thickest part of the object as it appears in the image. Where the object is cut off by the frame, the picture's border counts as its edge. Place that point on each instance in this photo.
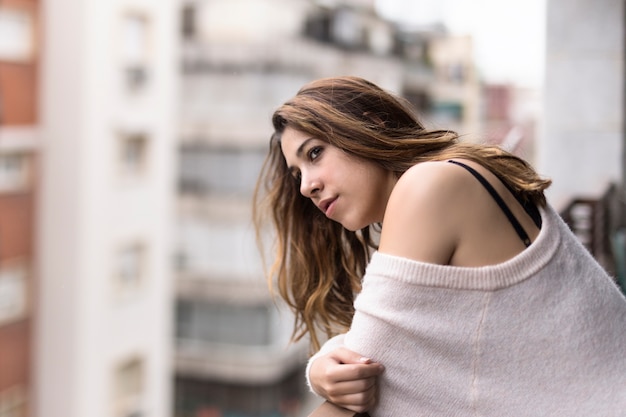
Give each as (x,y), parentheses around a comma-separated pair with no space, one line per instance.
(478,300)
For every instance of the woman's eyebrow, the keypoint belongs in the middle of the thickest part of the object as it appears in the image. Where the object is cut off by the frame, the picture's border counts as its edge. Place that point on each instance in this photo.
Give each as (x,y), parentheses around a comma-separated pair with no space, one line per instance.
(302,146)
(299,153)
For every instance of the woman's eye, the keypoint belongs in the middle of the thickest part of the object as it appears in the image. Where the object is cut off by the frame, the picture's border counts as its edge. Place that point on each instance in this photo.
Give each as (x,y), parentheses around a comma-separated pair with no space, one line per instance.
(315,152)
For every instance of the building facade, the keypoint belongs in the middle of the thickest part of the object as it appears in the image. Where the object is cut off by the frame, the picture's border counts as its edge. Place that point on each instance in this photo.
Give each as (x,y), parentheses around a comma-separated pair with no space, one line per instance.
(510,118)
(582,137)
(241,60)
(107,107)
(19,152)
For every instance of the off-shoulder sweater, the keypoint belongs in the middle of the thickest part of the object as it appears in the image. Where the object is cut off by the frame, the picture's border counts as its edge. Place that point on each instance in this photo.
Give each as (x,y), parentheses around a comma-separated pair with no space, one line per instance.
(543,334)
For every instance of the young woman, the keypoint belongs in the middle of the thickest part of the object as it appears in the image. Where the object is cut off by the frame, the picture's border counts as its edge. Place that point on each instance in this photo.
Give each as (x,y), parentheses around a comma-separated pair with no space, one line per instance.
(477,299)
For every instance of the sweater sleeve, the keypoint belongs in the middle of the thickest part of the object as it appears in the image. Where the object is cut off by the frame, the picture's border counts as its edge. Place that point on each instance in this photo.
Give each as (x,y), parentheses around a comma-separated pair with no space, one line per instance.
(329,346)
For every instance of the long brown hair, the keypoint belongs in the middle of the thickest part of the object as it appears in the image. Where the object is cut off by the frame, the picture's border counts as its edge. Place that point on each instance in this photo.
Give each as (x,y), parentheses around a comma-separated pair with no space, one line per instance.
(318,265)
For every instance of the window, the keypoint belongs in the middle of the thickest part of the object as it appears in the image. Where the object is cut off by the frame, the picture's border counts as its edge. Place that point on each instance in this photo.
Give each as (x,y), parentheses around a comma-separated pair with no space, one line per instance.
(455,73)
(419,99)
(318,24)
(129,270)
(133,154)
(189,21)
(205,398)
(346,29)
(16,35)
(13,293)
(205,169)
(223,323)
(14,169)
(448,111)
(135,41)
(129,388)
(380,38)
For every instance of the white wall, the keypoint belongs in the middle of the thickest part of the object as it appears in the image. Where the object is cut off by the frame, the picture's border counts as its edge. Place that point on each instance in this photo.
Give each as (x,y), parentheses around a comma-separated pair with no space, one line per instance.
(250,21)
(87,210)
(581,141)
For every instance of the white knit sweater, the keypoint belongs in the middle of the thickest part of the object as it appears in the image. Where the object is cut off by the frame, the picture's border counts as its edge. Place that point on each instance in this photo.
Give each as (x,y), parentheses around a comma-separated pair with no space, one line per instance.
(543,334)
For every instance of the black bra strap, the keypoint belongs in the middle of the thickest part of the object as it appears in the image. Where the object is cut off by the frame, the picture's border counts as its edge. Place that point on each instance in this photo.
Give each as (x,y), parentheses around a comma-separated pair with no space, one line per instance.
(529,207)
(505,209)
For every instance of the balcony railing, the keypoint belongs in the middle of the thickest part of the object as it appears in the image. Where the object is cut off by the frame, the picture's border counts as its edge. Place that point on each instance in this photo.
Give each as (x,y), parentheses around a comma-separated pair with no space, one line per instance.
(600,224)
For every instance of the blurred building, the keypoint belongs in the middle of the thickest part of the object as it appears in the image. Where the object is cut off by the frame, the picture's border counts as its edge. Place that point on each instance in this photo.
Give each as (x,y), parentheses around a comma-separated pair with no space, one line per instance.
(107,105)
(440,78)
(241,59)
(19,151)
(455,88)
(582,145)
(582,139)
(510,116)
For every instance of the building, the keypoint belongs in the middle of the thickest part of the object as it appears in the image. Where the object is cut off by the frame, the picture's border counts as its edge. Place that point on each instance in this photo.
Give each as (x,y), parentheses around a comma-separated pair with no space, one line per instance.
(455,87)
(241,60)
(510,118)
(107,109)
(582,137)
(19,154)
(88,136)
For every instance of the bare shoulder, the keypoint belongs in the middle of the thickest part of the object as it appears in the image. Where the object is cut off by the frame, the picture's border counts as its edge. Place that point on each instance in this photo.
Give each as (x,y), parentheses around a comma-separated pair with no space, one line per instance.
(425,213)
(434,174)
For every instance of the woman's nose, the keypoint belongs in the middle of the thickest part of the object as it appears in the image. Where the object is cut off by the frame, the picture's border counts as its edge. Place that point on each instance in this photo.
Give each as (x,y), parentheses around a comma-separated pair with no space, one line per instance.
(310,186)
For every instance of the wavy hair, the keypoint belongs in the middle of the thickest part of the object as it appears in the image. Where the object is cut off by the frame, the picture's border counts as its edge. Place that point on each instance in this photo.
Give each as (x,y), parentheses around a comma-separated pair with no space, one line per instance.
(318,265)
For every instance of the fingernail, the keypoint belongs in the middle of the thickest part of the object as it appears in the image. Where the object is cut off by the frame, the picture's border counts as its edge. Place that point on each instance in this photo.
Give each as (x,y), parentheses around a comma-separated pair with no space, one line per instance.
(365,360)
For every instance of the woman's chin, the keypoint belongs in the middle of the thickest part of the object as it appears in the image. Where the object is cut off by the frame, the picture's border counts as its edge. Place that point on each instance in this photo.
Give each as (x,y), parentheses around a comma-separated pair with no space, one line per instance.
(353,227)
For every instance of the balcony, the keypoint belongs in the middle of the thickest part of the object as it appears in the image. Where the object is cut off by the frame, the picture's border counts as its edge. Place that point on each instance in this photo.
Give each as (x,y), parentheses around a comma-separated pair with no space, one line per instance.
(600,225)
(236,363)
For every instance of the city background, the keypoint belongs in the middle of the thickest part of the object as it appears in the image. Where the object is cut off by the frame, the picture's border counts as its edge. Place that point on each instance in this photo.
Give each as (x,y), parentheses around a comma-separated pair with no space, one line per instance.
(131,136)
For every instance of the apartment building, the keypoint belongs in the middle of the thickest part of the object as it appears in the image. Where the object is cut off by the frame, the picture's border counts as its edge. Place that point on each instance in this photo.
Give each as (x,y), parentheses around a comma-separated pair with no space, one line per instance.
(19,151)
(510,116)
(455,86)
(241,59)
(107,106)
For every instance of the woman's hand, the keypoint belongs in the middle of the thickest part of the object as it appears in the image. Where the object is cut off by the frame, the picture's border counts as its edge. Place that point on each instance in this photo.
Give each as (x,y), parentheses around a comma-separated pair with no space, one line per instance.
(346,379)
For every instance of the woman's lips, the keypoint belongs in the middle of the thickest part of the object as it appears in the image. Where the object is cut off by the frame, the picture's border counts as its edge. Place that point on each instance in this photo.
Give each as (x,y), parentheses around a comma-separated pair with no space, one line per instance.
(328,206)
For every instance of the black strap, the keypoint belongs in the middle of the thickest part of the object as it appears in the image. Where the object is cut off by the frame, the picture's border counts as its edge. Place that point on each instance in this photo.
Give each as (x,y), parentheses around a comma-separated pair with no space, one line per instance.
(529,207)
(505,209)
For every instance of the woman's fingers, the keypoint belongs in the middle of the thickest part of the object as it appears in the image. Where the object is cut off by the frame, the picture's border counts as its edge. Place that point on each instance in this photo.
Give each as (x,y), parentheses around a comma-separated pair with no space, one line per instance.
(342,372)
(343,355)
(356,401)
(356,386)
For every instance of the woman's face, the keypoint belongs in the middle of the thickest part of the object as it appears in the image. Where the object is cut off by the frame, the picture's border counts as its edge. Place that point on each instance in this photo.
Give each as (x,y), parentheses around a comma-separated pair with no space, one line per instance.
(348,190)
